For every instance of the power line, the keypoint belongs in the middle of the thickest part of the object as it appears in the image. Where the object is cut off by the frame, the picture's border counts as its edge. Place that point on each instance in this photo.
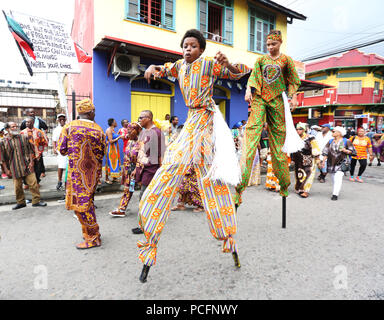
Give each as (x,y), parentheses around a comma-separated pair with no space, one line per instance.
(321,45)
(348,44)
(341,50)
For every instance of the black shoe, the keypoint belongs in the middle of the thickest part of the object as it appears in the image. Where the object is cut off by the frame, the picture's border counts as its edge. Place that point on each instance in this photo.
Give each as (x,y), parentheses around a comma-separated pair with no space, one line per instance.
(334,198)
(379,164)
(59,186)
(236,206)
(40,204)
(144,274)
(19,206)
(370,165)
(137,231)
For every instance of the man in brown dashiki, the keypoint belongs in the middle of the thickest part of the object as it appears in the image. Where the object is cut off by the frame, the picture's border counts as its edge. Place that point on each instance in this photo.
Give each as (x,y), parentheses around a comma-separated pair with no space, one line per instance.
(17,156)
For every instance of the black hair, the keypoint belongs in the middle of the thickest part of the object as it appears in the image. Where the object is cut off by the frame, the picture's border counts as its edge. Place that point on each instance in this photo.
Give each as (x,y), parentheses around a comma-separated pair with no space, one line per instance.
(122,121)
(173,118)
(149,112)
(110,121)
(194,33)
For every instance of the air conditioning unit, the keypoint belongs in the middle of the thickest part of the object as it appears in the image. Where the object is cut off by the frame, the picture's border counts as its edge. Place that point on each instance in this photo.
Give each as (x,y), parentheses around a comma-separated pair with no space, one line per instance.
(125,65)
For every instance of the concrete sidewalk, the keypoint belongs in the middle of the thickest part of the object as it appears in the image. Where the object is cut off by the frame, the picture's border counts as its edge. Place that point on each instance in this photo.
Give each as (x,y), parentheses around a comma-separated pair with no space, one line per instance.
(48,185)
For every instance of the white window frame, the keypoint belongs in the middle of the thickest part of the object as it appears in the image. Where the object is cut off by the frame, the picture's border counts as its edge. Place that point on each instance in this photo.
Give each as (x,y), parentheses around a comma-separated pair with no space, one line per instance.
(350,87)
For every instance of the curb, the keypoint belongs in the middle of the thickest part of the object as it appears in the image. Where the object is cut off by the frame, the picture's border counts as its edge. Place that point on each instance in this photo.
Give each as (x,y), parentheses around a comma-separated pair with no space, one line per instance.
(45,195)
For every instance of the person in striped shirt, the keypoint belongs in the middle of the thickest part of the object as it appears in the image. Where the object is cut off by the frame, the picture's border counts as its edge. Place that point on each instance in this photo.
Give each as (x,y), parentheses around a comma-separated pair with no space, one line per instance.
(17,156)
(362,144)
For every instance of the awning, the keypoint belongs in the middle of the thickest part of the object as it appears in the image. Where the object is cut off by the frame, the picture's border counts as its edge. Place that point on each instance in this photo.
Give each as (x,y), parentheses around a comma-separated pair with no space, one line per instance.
(307,85)
(139,49)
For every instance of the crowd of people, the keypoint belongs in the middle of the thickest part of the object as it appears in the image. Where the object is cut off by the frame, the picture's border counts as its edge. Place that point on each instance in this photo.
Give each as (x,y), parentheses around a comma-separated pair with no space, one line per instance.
(164,160)
(336,151)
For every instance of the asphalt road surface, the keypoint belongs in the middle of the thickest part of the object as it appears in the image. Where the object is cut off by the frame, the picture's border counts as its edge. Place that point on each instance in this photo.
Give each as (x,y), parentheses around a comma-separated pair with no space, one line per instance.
(329,250)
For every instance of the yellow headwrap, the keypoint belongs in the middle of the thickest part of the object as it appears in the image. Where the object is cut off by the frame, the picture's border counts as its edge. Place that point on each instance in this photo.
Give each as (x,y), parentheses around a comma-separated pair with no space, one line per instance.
(84,106)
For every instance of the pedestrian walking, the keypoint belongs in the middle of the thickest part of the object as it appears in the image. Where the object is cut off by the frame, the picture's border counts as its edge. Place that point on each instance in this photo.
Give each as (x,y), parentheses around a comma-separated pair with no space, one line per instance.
(38,123)
(322,139)
(189,193)
(39,140)
(336,154)
(152,145)
(378,149)
(362,145)
(83,141)
(62,161)
(112,161)
(129,168)
(17,157)
(306,161)
(123,131)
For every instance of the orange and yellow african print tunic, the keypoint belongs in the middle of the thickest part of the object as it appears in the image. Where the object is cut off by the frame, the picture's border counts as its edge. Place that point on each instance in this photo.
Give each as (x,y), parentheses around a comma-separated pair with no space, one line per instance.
(196,79)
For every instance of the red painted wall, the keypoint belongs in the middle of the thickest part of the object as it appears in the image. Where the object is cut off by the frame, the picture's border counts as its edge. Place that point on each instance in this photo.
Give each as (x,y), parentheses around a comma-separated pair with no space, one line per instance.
(83,34)
(350,58)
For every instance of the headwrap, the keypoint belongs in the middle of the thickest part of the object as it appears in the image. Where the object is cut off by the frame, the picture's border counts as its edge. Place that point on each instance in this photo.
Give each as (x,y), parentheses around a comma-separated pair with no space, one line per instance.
(301,125)
(275,37)
(341,130)
(135,126)
(84,106)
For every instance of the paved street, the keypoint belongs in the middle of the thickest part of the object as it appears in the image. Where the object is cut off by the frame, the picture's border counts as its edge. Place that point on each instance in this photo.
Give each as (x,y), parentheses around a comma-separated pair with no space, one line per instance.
(325,241)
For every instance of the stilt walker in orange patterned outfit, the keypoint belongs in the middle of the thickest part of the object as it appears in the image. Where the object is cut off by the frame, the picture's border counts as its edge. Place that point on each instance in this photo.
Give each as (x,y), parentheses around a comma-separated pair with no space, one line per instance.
(198,144)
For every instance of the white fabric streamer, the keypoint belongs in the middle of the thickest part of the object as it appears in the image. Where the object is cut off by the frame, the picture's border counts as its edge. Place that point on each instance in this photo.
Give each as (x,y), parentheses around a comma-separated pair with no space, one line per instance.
(293,142)
(225,164)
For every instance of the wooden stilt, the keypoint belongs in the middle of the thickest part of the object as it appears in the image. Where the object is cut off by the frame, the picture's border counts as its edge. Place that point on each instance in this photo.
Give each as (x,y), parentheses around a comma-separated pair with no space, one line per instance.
(284,212)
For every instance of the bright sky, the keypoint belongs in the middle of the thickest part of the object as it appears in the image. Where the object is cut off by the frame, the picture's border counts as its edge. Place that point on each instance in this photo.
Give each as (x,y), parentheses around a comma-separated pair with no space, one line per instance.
(334,23)
(330,24)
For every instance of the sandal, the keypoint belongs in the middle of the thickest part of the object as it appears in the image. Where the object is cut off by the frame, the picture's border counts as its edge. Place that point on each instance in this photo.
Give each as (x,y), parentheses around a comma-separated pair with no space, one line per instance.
(303,194)
(108,182)
(198,210)
(89,244)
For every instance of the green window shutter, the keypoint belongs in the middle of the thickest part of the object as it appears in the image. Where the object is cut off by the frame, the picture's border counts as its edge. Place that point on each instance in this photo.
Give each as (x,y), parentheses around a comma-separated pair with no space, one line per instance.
(168,14)
(133,9)
(228,27)
(203,16)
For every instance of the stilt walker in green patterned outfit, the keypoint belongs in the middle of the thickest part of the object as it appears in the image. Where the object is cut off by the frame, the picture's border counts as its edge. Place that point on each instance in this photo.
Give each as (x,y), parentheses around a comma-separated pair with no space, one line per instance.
(273,74)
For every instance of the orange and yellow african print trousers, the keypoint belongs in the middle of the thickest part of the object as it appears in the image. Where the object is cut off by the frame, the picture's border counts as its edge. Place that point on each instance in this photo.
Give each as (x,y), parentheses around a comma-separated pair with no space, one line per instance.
(89,225)
(192,146)
(273,112)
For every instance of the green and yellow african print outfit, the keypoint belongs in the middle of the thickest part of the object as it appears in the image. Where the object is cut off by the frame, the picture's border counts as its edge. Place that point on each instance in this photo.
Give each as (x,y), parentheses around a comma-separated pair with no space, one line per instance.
(270,78)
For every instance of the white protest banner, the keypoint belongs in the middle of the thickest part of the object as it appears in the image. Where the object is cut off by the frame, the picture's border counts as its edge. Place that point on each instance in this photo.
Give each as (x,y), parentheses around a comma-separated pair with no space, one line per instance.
(52,43)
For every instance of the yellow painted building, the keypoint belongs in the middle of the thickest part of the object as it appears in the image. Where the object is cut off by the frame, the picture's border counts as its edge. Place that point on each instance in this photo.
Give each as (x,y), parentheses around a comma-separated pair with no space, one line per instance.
(129,35)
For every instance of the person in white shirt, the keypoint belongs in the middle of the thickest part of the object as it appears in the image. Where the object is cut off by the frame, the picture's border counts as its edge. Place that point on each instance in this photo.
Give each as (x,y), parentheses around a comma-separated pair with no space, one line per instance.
(61,160)
(322,139)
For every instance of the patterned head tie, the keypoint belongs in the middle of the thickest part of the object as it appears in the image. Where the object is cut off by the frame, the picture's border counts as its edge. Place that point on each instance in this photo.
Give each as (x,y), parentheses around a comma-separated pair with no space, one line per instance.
(135,126)
(84,106)
(275,36)
(301,125)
